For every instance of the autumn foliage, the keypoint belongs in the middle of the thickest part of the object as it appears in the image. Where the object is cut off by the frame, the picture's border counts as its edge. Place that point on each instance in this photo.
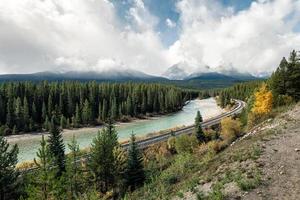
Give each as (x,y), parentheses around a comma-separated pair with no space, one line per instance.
(263,101)
(230,129)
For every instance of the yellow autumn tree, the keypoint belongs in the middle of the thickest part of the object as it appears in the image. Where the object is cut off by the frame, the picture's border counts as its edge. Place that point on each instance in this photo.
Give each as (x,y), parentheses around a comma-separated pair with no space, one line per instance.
(263,101)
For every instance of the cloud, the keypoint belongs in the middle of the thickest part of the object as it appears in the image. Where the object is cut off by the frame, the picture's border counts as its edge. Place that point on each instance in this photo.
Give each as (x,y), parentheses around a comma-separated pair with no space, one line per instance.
(76,35)
(89,35)
(170,23)
(252,40)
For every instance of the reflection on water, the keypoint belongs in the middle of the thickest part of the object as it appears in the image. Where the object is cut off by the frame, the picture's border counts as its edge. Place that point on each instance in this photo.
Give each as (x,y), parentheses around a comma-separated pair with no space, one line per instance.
(208,108)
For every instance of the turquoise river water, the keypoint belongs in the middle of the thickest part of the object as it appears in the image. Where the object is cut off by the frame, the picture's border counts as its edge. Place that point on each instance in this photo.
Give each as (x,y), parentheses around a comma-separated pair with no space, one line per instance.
(29,143)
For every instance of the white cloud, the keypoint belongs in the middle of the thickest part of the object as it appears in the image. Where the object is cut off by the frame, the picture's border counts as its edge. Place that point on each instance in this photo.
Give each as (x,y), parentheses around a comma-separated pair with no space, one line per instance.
(88,35)
(253,40)
(76,35)
(170,23)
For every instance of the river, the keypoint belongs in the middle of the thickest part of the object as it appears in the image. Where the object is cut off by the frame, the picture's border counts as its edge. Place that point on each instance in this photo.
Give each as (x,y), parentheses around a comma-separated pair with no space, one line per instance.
(29,143)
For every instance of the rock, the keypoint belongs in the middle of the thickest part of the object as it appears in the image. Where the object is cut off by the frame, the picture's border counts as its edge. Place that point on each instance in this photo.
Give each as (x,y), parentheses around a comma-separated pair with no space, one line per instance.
(281,173)
(297,150)
(275,150)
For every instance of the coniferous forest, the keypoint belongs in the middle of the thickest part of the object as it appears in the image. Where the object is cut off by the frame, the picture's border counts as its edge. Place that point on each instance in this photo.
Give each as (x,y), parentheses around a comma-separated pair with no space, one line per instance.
(27,106)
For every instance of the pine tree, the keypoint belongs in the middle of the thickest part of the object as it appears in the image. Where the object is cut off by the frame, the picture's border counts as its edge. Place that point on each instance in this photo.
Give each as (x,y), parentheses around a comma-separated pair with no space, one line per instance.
(99,113)
(42,182)
(50,108)
(44,112)
(34,112)
(135,174)
(74,171)
(19,114)
(114,111)
(104,110)
(86,112)
(26,114)
(77,119)
(102,161)
(198,127)
(46,124)
(62,122)
(129,106)
(57,148)
(8,173)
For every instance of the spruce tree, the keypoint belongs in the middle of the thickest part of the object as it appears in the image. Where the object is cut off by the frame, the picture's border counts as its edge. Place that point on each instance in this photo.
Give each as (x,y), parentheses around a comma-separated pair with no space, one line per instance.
(77,119)
(134,174)
(34,112)
(198,128)
(44,112)
(26,114)
(86,112)
(41,185)
(102,161)
(8,173)
(74,171)
(57,148)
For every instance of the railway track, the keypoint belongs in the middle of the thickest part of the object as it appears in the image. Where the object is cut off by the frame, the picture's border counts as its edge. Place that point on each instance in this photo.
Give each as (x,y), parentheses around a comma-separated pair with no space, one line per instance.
(144,143)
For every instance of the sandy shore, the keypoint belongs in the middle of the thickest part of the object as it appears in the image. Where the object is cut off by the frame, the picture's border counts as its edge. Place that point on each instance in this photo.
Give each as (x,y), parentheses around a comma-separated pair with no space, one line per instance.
(74,131)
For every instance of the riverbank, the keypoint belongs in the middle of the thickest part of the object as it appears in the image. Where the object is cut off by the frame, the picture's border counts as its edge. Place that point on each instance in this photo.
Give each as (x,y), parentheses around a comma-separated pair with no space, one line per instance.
(73,131)
(30,143)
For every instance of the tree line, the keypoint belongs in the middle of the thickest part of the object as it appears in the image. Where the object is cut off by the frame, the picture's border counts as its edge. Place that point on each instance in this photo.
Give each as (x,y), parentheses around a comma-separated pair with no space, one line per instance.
(27,106)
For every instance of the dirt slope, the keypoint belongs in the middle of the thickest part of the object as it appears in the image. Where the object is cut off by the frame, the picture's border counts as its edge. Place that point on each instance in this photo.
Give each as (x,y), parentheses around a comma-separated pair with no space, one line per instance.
(262,165)
(281,161)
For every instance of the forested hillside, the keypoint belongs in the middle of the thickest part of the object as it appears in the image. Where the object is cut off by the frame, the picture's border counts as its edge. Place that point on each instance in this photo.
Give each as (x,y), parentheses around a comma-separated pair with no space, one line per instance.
(26,106)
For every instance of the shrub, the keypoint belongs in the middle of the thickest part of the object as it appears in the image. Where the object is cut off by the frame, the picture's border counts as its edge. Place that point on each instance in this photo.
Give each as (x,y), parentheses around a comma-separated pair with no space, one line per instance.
(171,145)
(230,129)
(211,134)
(185,144)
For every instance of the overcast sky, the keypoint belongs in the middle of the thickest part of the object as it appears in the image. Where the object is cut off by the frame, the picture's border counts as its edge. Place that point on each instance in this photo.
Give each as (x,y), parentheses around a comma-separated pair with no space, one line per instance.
(147,35)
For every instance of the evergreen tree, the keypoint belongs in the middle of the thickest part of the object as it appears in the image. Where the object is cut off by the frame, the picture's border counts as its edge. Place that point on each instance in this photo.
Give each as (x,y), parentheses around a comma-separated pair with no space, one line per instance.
(26,114)
(62,122)
(34,113)
(9,114)
(99,113)
(198,128)
(57,148)
(135,174)
(74,171)
(114,110)
(46,124)
(41,185)
(86,112)
(8,173)
(77,119)
(104,110)
(44,112)
(19,120)
(50,109)
(102,160)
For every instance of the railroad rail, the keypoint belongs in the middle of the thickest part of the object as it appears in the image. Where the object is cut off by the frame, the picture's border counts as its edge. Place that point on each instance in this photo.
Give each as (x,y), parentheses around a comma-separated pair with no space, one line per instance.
(144,143)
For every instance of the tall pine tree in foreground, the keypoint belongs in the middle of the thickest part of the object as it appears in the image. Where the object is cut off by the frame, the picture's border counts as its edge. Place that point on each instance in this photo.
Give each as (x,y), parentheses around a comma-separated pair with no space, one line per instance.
(41,185)
(135,174)
(198,128)
(74,170)
(102,161)
(57,147)
(8,174)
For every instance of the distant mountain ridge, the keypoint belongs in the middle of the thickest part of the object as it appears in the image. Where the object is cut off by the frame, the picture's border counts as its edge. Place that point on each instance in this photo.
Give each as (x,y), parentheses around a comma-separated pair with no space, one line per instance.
(107,75)
(196,80)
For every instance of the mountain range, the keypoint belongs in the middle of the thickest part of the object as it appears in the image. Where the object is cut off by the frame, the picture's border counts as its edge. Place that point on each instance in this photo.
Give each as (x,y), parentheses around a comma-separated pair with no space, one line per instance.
(174,75)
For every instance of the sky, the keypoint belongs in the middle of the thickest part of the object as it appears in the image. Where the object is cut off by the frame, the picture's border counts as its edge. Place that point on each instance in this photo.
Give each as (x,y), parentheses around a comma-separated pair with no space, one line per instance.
(147,35)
